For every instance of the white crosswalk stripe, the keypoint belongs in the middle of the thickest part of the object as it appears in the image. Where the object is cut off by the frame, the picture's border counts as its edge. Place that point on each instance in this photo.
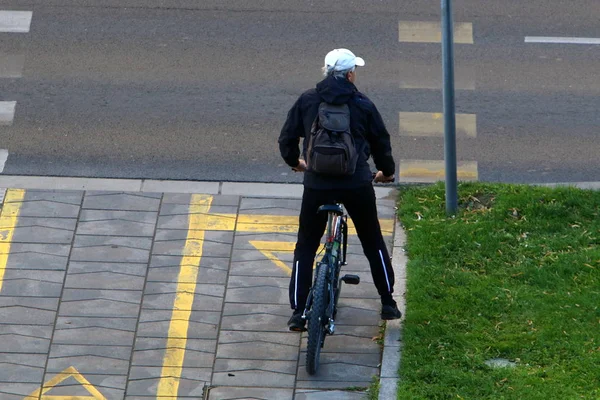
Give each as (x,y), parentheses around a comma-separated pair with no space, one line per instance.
(15,21)
(7,112)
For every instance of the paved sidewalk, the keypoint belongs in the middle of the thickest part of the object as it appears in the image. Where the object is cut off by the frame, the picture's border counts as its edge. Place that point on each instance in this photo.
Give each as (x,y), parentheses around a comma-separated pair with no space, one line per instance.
(145,294)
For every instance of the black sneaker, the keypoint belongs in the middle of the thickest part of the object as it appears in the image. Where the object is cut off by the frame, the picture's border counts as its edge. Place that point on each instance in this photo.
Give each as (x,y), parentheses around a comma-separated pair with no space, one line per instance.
(296,322)
(389,311)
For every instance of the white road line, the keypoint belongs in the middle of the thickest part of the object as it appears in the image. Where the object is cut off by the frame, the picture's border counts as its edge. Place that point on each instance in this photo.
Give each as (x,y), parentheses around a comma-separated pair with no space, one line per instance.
(7,112)
(564,40)
(3,158)
(15,21)
(11,66)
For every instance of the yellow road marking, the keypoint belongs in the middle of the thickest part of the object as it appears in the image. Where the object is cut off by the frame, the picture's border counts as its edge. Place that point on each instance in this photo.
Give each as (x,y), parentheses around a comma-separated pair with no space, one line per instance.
(258,223)
(434,170)
(8,222)
(431,32)
(70,372)
(269,248)
(432,124)
(168,385)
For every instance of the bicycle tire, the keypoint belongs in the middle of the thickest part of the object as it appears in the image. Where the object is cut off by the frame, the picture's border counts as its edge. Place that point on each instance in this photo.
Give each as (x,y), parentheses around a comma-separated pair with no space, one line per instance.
(316,324)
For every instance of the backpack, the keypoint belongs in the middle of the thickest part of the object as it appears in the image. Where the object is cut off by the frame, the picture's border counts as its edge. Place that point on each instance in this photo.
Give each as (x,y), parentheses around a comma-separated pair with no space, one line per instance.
(331,148)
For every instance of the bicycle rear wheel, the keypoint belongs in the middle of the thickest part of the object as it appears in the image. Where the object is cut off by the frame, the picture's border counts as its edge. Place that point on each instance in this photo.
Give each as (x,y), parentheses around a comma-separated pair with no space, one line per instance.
(316,321)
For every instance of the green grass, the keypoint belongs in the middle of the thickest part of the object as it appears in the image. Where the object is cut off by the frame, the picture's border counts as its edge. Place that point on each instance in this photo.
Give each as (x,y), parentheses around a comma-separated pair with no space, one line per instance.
(515,275)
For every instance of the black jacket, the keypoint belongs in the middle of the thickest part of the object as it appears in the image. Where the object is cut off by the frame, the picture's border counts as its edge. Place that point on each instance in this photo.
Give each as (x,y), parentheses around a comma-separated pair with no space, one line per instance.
(366,125)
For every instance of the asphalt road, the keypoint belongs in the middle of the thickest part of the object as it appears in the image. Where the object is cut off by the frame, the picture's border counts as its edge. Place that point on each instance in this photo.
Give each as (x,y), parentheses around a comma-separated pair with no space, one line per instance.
(181,90)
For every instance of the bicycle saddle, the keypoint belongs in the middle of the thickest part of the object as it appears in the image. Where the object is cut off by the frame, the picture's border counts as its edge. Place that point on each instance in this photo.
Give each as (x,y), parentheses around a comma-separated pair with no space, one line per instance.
(335,208)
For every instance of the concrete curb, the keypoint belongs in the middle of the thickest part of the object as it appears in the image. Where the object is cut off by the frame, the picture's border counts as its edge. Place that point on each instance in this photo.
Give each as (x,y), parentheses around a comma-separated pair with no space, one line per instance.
(248,189)
(392,342)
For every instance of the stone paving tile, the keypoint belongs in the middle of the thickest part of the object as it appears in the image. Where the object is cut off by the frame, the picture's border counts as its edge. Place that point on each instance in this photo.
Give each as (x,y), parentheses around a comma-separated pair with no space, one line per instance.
(255,317)
(207,261)
(111,249)
(181,221)
(339,370)
(253,373)
(255,255)
(172,243)
(262,267)
(62,196)
(213,237)
(124,201)
(22,368)
(170,209)
(185,198)
(257,290)
(17,391)
(236,393)
(151,351)
(205,275)
(364,312)
(161,296)
(270,206)
(38,256)
(143,381)
(48,208)
(154,358)
(44,230)
(91,364)
(100,303)
(28,310)
(258,345)
(243,240)
(117,223)
(25,338)
(216,291)
(112,387)
(304,394)
(155,324)
(94,331)
(351,339)
(97,275)
(32,283)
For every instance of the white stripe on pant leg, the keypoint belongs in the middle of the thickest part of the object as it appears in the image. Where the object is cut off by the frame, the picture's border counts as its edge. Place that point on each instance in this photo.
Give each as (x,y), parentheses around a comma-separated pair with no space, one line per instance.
(385,272)
(296,288)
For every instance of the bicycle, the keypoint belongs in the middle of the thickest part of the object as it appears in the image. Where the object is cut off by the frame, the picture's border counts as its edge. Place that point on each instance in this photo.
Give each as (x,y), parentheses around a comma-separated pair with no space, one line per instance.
(321,305)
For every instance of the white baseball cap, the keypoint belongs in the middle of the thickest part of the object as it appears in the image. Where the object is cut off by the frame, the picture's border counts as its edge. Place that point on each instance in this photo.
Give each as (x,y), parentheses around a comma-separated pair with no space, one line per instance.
(342,60)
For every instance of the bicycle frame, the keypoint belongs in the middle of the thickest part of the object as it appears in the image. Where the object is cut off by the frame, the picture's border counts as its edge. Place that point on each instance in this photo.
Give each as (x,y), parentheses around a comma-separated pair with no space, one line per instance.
(336,246)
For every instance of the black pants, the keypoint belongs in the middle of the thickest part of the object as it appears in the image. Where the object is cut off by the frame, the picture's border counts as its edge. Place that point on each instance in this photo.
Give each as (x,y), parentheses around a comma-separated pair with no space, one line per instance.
(361,207)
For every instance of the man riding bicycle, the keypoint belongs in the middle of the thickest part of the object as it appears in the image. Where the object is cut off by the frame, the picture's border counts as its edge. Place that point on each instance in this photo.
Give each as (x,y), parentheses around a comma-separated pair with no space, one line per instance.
(355,191)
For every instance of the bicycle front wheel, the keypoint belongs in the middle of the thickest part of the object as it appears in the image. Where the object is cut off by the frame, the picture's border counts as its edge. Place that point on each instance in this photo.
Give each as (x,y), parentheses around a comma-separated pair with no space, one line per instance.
(317,320)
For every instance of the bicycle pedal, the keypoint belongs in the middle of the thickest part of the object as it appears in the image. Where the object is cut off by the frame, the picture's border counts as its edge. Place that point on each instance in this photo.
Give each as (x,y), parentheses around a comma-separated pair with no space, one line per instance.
(351,279)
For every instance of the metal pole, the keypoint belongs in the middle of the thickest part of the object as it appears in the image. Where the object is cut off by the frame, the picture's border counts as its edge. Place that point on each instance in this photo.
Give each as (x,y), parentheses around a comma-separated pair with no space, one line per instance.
(449,109)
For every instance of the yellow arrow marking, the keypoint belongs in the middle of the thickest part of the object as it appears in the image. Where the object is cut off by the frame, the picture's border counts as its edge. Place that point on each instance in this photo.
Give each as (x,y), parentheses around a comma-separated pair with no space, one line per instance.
(8,222)
(70,372)
(268,248)
(168,385)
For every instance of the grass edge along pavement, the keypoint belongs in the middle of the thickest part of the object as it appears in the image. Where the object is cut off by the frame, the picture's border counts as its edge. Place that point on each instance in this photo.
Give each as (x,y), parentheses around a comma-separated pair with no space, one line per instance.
(514,275)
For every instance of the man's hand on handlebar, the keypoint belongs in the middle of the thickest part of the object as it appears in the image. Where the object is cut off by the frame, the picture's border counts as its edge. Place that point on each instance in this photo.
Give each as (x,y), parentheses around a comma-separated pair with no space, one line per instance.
(301,167)
(380,178)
